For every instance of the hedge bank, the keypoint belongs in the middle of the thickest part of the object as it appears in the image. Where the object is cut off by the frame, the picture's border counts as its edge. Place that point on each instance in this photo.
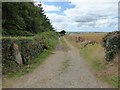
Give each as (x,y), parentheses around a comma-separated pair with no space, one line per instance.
(29,47)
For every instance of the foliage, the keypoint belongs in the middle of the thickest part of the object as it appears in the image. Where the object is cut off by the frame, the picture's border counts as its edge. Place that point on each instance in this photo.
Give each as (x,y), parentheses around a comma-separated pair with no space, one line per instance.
(62,32)
(111,43)
(30,48)
(26,25)
(16,33)
(23,19)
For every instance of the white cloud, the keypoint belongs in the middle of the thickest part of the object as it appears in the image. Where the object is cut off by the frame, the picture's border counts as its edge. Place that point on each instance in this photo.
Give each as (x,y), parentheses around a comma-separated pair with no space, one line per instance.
(103,23)
(59,22)
(48,7)
(55,17)
(94,13)
(51,0)
(85,14)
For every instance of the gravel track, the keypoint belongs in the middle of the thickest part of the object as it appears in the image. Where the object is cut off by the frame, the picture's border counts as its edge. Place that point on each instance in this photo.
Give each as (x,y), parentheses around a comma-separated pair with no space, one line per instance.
(62,69)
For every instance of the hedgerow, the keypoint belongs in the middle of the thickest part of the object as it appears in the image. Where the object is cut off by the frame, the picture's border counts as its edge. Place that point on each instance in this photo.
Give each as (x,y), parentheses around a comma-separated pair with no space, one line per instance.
(111,43)
(29,47)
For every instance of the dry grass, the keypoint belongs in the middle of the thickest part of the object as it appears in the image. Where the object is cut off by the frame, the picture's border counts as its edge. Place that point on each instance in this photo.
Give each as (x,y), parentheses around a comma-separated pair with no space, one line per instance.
(94,55)
(88,36)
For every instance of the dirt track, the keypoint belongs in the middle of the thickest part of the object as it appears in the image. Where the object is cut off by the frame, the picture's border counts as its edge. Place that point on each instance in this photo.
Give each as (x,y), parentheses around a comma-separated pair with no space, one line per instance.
(62,69)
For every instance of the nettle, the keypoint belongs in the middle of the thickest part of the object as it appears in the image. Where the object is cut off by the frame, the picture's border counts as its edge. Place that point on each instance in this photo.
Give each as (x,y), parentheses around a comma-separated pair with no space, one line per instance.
(111,43)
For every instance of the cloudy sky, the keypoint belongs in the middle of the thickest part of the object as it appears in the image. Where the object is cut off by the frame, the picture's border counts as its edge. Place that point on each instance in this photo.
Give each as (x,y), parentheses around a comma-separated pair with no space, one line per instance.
(82,15)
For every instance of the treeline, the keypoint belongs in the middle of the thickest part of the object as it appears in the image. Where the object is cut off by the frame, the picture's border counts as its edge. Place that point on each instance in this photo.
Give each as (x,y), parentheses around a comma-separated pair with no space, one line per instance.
(23,19)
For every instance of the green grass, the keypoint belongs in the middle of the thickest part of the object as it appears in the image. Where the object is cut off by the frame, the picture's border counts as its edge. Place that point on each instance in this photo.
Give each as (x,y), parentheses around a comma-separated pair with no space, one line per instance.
(90,57)
(88,54)
(94,62)
(50,40)
(94,55)
(113,80)
(96,65)
(18,37)
(64,44)
(32,65)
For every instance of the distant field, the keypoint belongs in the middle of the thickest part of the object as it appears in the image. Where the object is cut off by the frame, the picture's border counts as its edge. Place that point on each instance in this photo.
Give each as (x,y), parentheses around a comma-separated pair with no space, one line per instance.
(94,54)
(88,36)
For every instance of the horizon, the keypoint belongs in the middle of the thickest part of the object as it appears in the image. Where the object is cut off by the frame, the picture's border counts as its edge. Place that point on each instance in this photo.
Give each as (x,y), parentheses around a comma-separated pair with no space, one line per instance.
(87,32)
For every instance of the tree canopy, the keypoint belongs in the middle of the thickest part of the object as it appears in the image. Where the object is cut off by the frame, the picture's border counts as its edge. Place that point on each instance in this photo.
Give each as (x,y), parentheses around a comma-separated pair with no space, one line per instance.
(24,19)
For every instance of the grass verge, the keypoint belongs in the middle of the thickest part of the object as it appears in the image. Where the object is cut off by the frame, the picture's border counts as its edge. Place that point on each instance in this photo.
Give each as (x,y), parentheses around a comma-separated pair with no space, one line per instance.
(48,41)
(64,44)
(94,55)
(113,80)
(33,64)
(89,53)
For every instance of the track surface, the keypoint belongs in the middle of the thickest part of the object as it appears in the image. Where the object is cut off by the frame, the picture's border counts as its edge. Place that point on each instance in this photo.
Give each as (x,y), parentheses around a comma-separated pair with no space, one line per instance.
(62,69)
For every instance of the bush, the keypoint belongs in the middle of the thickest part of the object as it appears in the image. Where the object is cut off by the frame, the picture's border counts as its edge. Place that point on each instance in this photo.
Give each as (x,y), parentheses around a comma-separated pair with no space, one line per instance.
(111,43)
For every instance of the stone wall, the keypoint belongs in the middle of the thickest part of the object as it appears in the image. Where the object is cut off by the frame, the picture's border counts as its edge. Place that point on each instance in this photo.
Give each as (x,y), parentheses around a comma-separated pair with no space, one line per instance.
(16,52)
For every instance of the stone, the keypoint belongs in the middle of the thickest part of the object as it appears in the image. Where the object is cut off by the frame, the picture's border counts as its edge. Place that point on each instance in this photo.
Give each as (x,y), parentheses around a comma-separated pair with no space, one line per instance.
(18,57)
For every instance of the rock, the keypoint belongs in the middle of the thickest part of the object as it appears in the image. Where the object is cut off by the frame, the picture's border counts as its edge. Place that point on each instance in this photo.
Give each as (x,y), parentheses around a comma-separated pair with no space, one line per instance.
(17,54)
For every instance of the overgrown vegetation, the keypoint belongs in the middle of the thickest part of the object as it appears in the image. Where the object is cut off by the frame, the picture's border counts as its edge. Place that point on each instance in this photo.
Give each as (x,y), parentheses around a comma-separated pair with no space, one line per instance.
(30,48)
(111,43)
(26,25)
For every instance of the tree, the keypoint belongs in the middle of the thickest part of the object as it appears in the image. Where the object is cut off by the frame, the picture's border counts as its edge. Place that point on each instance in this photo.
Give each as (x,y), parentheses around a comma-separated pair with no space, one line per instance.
(62,32)
(23,18)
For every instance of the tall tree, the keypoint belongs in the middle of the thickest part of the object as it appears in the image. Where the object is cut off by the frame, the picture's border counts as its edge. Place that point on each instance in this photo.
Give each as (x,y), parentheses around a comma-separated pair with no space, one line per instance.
(23,18)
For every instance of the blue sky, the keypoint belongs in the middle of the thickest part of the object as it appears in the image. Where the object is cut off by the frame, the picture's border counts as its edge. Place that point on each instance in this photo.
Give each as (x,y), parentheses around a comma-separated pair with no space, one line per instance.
(63,5)
(82,15)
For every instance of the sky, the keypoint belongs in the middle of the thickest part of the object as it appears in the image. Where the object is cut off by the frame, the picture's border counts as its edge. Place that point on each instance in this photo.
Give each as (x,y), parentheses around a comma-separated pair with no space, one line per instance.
(82,15)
